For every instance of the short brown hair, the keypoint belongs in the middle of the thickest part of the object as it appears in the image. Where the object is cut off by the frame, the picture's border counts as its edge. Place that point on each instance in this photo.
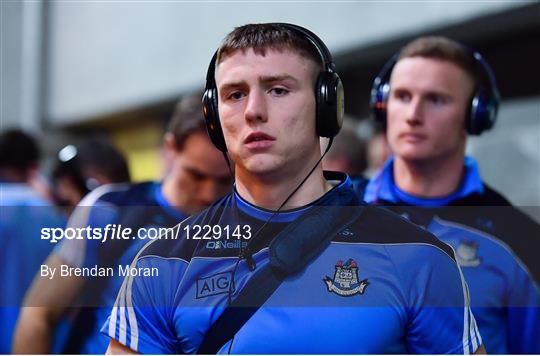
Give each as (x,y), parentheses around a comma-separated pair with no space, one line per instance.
(445,49)
(187,119)
(264,36)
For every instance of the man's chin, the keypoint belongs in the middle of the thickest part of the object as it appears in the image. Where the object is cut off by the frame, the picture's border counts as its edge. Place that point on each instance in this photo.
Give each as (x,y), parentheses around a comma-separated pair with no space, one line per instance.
(415,156)
(262,170)
(261,165)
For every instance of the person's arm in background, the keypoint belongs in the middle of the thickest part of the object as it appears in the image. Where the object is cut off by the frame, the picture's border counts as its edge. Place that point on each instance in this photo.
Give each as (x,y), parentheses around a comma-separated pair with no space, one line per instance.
(45,303)
(48,298)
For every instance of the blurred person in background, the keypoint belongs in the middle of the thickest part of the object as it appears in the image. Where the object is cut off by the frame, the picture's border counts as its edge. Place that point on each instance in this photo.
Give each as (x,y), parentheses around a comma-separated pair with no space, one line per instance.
(79,169)
(378,152)
(348,152)
(431,96)
(24,212)
(198,176)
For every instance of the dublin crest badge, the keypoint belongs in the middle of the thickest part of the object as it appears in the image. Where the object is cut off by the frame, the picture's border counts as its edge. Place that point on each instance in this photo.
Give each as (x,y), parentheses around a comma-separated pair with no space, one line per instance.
(467,254)
(345,282)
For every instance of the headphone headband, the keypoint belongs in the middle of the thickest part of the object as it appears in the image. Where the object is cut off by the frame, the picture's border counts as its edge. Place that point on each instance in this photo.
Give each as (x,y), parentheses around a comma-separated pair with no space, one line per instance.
(328,92)
(484,105)
(318,44)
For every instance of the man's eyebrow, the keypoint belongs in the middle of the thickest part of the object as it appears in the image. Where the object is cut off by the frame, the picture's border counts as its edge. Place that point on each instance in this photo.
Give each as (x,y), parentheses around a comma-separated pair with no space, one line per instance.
(436,91)
(230,85)
(263,79)
(277,78)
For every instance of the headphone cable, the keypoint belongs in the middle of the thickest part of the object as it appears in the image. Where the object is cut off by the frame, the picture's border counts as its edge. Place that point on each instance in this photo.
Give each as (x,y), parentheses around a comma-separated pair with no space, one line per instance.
(245,253)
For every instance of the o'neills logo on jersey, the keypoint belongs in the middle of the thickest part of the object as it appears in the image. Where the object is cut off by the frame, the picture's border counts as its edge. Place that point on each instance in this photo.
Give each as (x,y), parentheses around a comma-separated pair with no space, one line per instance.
(218,245)
(467,254)
(345,281)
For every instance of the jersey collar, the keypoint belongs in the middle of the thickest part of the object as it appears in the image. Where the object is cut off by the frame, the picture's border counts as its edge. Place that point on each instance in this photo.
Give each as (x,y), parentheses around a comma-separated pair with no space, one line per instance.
(341,194)
(383,188)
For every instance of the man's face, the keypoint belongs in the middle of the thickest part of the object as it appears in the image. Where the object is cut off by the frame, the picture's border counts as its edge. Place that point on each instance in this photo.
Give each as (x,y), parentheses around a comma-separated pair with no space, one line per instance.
(202,174)
(267,111)
(427,105)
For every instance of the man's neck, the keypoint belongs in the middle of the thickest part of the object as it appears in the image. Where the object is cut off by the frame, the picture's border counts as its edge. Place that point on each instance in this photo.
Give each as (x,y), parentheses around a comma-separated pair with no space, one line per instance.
(429,179)
(270,192)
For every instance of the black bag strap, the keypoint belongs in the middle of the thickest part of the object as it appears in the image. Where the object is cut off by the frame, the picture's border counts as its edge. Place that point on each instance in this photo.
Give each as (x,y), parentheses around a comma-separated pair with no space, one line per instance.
(290,251)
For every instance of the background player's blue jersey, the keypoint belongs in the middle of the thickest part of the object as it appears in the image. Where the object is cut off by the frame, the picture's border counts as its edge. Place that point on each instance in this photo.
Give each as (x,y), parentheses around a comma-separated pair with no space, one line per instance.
(132,206)
(382,285)
(505,297)
(22,216)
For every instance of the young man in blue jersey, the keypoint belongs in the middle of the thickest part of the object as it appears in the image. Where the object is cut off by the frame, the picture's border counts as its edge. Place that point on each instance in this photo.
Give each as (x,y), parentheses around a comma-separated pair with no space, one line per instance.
(293,264)
(431,97)
(198,176)
(24,211)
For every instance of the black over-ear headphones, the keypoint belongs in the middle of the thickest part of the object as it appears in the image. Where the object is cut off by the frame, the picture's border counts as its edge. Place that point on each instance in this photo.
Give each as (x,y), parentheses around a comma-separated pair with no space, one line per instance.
(328,93)
(484,105)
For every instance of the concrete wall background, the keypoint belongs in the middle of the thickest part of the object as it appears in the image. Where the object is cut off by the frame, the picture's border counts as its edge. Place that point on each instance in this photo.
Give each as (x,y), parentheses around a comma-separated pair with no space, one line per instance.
(509,154)
(105,57)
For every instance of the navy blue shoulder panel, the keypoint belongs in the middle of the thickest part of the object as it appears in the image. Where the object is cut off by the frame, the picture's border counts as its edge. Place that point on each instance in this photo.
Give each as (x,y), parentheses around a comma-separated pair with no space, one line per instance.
(359,185)
(175,243)
(380,226)
(136,194)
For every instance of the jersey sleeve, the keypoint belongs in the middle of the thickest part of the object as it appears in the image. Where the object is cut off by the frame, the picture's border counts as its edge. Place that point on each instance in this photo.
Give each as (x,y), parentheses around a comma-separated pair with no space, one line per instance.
(523,313)
(440,318)
(142,316)
(91,213)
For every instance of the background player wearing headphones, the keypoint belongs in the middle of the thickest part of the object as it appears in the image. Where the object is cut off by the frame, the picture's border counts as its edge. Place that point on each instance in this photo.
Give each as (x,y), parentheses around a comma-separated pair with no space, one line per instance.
(272,292)
(430,96)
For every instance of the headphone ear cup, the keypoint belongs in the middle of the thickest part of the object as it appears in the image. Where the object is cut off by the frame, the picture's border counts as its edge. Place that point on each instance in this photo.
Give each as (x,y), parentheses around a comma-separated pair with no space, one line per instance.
(211,118)
(379,100)
(482,114)
(330,101)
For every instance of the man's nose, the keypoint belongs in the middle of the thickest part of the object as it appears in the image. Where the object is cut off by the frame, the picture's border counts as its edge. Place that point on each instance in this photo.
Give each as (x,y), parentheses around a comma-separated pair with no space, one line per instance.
(256,106)
(415,112)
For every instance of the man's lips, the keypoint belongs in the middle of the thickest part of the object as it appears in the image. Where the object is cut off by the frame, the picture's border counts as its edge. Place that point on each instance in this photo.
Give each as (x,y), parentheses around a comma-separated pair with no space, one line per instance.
(413,136)
(259,140)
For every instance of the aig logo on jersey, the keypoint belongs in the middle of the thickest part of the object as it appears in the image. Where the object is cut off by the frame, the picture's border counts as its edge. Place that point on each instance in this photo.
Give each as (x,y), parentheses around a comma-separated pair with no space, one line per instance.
(214,285)
(345,282)
(467,254)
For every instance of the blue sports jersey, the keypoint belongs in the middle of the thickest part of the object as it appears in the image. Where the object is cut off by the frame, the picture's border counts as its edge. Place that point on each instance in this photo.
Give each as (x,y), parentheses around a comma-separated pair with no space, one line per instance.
(505,297)
(22,216)
(129,205)
(382,285)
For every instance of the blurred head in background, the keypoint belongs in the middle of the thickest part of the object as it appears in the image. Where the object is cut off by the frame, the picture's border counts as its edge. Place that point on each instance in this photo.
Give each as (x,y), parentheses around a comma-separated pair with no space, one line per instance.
(198,174)
(348,152)
(19,162)
(81,168)
(19,156)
